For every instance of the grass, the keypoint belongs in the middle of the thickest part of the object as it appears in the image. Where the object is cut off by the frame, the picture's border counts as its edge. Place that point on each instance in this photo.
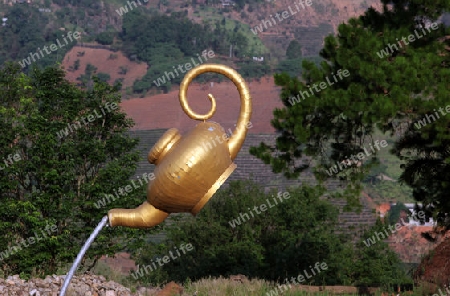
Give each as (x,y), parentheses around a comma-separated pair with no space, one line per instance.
(221,286)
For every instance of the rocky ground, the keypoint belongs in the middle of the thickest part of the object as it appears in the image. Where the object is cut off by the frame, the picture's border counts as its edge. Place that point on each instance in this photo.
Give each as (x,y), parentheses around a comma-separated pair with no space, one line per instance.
(85,285)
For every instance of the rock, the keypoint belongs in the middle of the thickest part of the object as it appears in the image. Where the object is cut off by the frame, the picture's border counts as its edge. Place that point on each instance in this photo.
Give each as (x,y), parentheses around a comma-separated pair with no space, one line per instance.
(84,285)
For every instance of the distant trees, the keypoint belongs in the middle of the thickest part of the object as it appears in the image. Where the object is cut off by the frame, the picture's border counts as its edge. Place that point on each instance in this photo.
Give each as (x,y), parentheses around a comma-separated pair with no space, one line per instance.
(105,77)
(294,50)
(165,41)
(394,213)
(251,69)
(26,32)
(147,36)
(22,33)
(292,67)
(105,38)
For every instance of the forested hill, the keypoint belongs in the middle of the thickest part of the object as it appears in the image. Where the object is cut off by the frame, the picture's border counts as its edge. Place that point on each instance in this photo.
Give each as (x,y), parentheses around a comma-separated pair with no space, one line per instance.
(166,32)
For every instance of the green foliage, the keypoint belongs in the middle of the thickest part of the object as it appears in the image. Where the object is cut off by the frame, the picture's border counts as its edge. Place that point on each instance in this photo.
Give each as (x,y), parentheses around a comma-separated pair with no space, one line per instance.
(105,38)
(271,239)
(76,12)
(294,50)
(276,244)
(26,33)
(61,173)
(253,69)
(105,77)
(388,191)
(291,67)
(333,123)
(395,211)
(167,41)
(377,265)
(168,36)
(76,64)
(86,78)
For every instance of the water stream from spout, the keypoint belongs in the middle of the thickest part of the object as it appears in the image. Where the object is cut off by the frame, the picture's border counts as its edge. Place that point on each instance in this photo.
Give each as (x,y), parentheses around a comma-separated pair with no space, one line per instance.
(81,254)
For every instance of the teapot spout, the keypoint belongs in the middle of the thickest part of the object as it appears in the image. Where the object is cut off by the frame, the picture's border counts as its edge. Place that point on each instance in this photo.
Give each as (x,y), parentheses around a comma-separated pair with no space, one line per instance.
(144,216)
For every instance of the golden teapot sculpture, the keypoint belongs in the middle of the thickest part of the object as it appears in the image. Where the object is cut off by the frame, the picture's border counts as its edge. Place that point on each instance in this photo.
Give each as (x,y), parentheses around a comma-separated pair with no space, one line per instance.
(189,169)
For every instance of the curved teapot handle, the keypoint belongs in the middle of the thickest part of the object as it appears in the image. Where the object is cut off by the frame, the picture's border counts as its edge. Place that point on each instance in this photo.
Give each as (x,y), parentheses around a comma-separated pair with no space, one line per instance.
(237,138)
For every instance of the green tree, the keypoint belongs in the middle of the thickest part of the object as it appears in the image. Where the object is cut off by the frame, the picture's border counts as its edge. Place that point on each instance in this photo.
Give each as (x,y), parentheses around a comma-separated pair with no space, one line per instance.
(62,171)
(291,67)
(76,65)
(376,264)
(294,50)
(374,89)
(104,76)
(394,213)
(105,38)
(278,243)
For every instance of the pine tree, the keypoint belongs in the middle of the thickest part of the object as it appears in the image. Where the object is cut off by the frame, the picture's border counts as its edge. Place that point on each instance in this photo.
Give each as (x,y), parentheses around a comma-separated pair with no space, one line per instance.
(371,79)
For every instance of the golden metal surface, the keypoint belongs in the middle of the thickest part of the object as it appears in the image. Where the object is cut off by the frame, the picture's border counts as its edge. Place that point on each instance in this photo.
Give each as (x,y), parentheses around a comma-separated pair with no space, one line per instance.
(189,169)
(144,216)
(237,139)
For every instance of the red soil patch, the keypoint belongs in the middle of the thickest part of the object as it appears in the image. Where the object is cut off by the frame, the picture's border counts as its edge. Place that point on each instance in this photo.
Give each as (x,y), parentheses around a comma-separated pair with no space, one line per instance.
(409,244)
(100,58)
(383,209)
(435,267)
(164,110)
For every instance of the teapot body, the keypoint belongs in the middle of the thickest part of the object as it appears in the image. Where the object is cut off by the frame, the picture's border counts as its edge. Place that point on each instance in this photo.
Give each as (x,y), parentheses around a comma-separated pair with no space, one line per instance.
(189,169)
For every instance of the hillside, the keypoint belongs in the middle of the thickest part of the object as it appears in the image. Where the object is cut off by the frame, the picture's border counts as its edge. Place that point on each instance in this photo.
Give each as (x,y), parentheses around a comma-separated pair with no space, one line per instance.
(115,64)
(308,25)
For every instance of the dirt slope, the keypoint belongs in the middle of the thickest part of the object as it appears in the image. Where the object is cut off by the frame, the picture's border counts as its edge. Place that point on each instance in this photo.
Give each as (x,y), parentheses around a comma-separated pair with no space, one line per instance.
(435,267)
(101,58)
(164,110)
